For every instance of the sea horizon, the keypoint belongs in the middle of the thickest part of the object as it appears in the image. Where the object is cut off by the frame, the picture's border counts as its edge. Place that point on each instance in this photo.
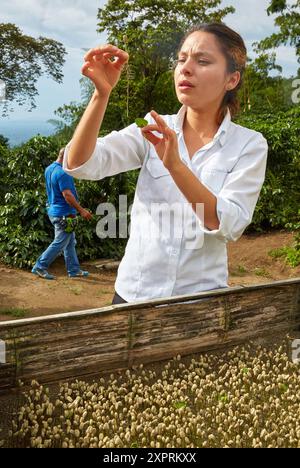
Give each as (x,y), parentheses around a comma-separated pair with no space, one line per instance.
(19,131)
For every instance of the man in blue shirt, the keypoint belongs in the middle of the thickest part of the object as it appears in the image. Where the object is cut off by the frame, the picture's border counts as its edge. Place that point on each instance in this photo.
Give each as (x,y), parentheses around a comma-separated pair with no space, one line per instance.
(62,204)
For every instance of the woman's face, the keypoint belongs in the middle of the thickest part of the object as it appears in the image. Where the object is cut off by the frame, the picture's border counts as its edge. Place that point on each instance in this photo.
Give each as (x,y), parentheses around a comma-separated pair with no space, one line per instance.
(201,77)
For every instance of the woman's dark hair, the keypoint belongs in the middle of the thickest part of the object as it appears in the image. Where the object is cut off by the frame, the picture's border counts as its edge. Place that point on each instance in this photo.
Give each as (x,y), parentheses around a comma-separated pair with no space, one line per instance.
(235,52)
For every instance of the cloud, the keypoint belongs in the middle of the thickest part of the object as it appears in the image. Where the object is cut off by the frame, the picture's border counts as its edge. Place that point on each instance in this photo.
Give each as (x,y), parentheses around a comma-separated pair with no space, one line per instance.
(250,18)
(72,22)
(252,22)
(286,57)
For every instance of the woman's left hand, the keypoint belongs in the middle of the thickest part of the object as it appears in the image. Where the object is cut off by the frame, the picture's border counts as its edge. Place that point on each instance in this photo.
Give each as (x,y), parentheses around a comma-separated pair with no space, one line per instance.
(167,146)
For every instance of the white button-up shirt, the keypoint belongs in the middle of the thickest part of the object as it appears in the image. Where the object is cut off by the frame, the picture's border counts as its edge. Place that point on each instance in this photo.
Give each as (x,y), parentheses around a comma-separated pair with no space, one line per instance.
(232,166)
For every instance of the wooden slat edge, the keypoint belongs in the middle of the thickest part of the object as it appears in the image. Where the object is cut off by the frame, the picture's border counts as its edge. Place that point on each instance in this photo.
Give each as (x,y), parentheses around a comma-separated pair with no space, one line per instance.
(150,303)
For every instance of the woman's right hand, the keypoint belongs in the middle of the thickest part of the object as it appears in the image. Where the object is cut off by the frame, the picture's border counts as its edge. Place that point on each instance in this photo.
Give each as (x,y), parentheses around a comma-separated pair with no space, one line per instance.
(104,73)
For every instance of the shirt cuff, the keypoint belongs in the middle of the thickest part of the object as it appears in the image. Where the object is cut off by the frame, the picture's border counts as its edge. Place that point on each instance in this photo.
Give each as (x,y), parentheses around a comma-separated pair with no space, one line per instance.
(86,170)
(228,214)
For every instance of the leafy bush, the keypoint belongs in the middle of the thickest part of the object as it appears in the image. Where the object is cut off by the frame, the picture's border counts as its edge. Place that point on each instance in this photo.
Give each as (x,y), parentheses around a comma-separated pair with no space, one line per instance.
(291,254)
(3,158)
(279,201)
(23,224)
(25,229)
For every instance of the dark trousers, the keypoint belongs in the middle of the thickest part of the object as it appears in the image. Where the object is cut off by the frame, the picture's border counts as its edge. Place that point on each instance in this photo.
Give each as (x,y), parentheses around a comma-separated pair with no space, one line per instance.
(118,299)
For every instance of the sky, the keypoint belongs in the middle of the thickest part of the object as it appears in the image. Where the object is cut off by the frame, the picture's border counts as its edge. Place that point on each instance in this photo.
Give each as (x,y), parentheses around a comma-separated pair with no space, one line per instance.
(74,24)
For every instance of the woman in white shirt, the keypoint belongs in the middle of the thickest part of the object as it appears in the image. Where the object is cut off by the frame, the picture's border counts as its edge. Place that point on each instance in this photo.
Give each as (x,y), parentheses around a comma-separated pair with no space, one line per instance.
(201,174)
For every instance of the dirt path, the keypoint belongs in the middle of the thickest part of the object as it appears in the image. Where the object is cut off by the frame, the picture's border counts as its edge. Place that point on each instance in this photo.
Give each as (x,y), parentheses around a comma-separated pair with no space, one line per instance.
(24,295)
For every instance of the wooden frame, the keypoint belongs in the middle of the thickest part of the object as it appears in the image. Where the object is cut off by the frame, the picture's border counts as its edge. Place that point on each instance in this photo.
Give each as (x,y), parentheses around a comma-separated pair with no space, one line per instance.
(76,344)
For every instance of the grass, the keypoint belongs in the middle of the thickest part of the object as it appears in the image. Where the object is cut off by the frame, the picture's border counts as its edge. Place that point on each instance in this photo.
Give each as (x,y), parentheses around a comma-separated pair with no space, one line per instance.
(276,253)
(291,255)
(15,312)
(239,270)
(77,290)
(261,271)
(104,291)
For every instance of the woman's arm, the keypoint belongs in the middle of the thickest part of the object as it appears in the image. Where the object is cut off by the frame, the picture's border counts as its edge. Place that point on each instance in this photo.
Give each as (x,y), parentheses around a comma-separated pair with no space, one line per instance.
(194,191)
(196,194)
(105,74)
(229,212)
(86,133)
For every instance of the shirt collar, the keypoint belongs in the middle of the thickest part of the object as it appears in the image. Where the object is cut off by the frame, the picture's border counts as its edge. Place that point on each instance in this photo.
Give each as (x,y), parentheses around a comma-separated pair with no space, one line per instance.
(222,130)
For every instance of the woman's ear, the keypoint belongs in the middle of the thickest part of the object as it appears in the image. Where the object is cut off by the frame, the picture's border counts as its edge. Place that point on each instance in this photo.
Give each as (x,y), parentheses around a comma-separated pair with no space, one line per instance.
(233,81)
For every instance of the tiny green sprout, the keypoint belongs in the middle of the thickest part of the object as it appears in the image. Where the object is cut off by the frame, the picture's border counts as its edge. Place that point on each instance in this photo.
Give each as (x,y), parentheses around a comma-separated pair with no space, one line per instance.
(283,388)
(223,398)
(245,370)
(141,122)
(134,445)
(180,404)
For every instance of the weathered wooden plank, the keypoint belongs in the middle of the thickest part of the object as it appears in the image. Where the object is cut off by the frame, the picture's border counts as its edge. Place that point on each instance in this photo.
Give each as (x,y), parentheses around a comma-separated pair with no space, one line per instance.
(7,376)
(115,337)
(242,317)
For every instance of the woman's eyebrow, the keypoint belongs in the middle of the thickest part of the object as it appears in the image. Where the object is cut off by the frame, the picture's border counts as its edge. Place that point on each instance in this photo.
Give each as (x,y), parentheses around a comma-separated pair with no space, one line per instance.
(197,54)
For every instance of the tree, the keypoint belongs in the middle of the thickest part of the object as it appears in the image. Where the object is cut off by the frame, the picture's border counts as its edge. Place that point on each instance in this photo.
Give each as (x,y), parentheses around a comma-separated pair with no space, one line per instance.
(261,92)
(4,151)
(4,141)
(23,60)
(288,22)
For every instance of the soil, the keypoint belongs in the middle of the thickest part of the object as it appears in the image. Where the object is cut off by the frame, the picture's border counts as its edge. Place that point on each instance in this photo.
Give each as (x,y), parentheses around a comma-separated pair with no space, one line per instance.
(24,295)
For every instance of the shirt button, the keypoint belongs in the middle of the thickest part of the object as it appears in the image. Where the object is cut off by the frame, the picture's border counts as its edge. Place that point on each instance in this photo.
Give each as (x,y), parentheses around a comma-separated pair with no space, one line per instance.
(174,252)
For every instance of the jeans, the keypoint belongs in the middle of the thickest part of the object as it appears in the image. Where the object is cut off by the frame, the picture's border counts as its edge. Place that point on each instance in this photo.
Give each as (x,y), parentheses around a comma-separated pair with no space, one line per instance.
(63,242)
